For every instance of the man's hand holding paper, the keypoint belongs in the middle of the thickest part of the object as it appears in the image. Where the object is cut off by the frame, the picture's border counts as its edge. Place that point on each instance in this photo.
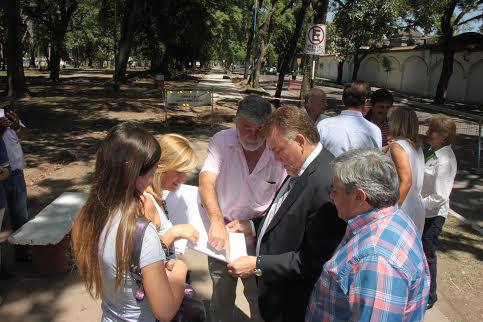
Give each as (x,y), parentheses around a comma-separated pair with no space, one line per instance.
(218,237)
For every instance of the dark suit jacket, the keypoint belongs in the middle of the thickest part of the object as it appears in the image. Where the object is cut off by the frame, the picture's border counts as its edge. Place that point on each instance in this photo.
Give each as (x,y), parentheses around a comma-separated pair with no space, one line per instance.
(301,237)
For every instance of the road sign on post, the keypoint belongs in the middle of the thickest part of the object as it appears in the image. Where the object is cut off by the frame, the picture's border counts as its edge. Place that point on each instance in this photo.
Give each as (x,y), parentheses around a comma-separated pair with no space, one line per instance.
(315,39)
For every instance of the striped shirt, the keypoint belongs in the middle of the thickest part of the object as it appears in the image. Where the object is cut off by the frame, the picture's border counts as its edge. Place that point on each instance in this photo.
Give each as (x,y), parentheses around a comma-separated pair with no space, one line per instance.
(378,272)
(384,127)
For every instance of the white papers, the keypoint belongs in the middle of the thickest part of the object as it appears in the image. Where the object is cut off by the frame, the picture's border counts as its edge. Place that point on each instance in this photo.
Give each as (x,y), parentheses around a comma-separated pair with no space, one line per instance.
(184,207)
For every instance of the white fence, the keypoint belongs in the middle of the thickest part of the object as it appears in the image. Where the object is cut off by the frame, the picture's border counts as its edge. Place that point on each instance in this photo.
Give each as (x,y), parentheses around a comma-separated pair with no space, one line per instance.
(415,71)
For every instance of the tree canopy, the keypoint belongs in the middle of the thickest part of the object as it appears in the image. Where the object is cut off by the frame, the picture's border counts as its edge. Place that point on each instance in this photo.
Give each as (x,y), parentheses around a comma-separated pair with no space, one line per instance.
(169,36)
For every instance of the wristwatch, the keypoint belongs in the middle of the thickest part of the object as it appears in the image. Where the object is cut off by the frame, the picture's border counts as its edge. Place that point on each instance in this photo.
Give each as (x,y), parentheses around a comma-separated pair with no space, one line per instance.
(257,271)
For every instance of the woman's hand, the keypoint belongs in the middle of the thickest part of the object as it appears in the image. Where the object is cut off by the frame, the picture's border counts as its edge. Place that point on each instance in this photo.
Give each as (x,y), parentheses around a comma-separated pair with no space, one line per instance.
(186,231)
(177,266)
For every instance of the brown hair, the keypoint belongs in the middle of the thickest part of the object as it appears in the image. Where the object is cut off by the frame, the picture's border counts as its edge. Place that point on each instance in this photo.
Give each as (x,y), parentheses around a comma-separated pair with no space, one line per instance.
(126,153)
(178,155)
(356,93)
(404,124)
(443,125)
(291,121)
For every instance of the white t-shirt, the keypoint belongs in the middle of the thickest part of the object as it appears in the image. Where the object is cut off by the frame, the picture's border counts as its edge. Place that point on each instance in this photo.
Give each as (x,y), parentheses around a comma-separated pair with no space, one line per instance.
(14,149)
(121,305)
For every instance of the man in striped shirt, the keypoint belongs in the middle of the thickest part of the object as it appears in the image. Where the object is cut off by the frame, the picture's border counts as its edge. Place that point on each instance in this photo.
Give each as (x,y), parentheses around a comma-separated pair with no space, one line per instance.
(378,272)
(381,101)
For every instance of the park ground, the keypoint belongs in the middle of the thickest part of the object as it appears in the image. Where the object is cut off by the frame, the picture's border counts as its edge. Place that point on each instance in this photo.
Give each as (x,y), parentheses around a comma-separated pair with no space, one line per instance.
(68,120)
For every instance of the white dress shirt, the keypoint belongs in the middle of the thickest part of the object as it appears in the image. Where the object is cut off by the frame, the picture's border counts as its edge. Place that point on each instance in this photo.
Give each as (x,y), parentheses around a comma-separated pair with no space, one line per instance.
(348,131)
(284,191)
(439,174)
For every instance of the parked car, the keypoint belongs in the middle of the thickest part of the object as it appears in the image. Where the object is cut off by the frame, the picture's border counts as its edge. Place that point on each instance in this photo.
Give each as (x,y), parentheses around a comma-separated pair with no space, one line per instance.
(270,70)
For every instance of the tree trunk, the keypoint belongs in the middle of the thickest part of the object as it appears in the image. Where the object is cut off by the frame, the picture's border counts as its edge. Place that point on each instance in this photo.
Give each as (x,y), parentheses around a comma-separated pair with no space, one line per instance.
(4,56)
(340,71)
(248,54)
(15,75)
(320,17)
(265,32)
(251,34)
(55,53)
(291,51)
(447,29)
(154,50)
(128,28)
(255,79)
(357,64)
(446,72)
(57,39)
(167,59)
(32,57)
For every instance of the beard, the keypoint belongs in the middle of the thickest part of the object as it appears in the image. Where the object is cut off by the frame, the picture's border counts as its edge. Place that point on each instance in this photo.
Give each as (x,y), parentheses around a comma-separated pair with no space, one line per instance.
(249,146)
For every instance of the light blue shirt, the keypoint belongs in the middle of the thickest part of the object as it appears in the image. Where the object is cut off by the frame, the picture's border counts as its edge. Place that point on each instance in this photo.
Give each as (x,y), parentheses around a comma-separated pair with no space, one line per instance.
(348,131)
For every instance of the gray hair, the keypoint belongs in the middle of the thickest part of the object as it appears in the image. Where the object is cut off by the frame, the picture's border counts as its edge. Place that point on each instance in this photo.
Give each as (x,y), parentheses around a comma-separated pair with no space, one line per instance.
(254,108)
(371,171)
(314,92)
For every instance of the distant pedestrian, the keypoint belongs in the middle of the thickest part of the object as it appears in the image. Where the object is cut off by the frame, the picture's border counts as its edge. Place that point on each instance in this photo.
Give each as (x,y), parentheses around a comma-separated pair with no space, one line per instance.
(439,174)
(316,104)
(381,102)
(12,129)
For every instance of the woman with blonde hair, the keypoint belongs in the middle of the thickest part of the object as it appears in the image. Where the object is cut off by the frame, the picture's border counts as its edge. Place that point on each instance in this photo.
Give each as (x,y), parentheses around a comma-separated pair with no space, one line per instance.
(177,160)
(439,174)
(408,157)
(104,233)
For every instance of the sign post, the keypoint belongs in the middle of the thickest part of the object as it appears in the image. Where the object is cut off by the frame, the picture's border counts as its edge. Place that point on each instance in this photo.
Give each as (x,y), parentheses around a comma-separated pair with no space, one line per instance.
(315,40)
(315,43)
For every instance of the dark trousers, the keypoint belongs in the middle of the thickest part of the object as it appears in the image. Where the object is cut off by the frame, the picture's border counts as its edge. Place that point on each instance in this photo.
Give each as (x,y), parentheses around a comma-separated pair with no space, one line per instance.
(432,228)
(16,193)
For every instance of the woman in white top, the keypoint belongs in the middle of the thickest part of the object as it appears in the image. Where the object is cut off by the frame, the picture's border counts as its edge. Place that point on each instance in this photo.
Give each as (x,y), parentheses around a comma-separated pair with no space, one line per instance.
(178,158)
(439,174)
(409,160)
(103,232)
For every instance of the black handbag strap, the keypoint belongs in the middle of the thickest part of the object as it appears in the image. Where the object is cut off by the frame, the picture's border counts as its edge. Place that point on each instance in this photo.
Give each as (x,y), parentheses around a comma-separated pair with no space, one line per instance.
(135,268)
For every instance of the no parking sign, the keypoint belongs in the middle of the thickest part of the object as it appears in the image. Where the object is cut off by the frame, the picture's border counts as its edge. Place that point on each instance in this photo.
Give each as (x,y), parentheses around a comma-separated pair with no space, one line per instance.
(315,40)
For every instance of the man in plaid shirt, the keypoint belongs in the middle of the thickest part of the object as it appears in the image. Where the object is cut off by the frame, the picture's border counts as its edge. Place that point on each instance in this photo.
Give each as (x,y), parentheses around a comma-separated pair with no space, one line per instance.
(378,272)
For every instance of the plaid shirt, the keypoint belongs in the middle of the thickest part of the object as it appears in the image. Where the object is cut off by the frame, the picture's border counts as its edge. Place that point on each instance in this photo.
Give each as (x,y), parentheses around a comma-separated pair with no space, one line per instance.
(378,272)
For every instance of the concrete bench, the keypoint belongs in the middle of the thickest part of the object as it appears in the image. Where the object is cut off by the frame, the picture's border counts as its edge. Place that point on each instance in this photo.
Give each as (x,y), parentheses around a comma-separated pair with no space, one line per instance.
(49,233)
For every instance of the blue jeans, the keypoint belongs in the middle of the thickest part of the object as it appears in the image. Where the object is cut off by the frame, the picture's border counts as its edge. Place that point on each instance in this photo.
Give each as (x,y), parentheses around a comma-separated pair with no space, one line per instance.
(16,194)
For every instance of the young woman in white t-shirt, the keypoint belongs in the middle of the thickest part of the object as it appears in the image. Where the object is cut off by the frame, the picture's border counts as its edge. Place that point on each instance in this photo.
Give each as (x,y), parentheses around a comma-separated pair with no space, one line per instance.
(103,232)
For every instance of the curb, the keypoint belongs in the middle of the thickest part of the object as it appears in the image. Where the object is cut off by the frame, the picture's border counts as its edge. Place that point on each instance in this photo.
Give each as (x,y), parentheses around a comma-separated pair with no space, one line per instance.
(471,223)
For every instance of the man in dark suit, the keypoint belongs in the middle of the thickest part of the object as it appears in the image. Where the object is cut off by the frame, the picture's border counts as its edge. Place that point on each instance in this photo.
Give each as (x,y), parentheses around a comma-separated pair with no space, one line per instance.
(301,229)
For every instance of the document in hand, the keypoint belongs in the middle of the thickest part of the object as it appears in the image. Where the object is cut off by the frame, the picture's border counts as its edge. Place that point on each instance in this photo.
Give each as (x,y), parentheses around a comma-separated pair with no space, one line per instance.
(185,207)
